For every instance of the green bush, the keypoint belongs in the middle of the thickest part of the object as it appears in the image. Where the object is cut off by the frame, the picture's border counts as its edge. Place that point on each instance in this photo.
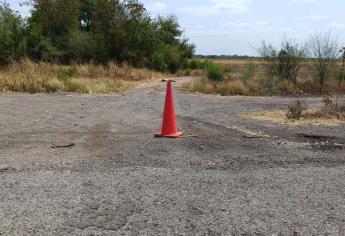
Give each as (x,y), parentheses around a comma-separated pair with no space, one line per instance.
(173,58)
(194,64)
(185,64)
(188,72)
(215,72)
(159,62)
(66,73)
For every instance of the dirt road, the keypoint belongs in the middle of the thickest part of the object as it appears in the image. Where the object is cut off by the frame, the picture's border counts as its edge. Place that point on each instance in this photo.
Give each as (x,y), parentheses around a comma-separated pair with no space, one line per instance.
(237,177)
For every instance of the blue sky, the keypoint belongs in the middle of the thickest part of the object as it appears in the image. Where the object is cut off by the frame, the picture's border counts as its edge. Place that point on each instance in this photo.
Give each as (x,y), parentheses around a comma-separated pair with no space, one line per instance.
(239,26)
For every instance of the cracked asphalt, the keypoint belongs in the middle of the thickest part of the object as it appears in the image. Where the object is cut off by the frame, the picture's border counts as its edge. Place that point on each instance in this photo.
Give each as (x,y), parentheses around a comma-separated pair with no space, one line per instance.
(119,180)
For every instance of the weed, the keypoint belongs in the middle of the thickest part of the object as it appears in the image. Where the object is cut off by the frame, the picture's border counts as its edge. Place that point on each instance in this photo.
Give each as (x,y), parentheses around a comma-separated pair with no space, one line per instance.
(295,110)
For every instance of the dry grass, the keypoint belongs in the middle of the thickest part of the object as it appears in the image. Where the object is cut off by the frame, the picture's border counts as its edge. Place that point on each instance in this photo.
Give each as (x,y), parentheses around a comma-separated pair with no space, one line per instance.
(310,117)
(332,113)
(28,76)
(235,87)
(252,73)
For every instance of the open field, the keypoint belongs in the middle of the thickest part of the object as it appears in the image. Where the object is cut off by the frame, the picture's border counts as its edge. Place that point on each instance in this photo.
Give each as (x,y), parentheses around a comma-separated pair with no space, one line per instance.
(239,65)
(237,176)
(258,77)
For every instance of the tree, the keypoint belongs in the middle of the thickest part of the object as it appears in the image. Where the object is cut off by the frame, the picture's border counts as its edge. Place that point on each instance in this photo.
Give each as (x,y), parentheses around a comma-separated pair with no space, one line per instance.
(284,63)
(269,56)
(324,52)
(341,75)
(12,45)
(290,60)
(94,30)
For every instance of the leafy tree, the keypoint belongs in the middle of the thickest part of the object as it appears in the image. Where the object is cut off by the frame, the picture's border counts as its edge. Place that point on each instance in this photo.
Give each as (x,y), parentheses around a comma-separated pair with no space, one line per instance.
(12,45)
(94,30)
(81,46)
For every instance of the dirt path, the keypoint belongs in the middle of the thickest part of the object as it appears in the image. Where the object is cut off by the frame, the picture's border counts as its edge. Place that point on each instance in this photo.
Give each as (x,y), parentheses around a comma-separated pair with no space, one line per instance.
(157,83)
(237,177)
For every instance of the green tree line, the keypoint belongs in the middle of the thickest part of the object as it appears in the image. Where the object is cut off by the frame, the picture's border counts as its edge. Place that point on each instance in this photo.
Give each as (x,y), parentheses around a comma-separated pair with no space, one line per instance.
(98,31)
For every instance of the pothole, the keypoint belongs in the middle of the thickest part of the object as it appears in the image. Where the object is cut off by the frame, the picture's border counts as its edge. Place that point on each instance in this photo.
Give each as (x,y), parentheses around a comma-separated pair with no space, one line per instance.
(323,142)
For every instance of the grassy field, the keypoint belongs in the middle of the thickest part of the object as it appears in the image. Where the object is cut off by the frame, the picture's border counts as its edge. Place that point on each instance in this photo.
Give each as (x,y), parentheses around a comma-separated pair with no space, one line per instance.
(249,77)
(28,76)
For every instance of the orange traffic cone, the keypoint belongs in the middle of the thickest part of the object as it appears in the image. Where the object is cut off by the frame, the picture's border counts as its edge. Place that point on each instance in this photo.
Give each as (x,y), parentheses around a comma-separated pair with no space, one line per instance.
(169,120)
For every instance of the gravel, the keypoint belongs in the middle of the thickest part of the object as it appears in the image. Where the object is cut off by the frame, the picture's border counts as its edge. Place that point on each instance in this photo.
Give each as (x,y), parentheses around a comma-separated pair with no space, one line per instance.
(118,180)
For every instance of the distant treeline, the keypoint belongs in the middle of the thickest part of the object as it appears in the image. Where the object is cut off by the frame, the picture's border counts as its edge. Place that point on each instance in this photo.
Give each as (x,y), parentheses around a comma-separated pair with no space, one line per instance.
(98,31)
(227,57)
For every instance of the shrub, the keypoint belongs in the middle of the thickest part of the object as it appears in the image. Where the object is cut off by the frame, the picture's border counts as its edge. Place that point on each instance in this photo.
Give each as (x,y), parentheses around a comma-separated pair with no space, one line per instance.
(236,87)
(65,73)
(194,64)
(215,72)
(330,106)
(188,72)
(295,110)
(286,87)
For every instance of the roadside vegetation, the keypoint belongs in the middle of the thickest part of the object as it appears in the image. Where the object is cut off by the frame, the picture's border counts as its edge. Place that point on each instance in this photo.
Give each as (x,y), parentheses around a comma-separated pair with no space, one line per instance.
(29,76)
(315,68)
(330,113)
(93,44)
(117,41)
(331,109)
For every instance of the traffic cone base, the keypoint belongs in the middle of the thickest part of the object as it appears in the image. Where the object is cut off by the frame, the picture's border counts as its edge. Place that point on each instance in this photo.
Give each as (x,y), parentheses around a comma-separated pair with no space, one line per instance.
(173,135)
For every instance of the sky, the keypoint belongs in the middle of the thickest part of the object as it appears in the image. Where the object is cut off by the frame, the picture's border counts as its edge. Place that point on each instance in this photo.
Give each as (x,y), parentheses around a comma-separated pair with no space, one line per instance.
(239,26)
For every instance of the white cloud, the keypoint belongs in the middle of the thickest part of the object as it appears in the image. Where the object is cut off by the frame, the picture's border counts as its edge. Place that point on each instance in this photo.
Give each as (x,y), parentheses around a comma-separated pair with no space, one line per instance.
(232,5)
(157,7)
(244,28)
(317,17)
(337,25)
(215,7)
(303,1)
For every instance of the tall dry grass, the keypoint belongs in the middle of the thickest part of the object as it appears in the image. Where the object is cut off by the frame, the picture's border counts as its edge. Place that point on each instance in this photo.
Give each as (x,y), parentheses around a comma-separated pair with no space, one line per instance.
(206,86)
(27,76)
(248,77)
